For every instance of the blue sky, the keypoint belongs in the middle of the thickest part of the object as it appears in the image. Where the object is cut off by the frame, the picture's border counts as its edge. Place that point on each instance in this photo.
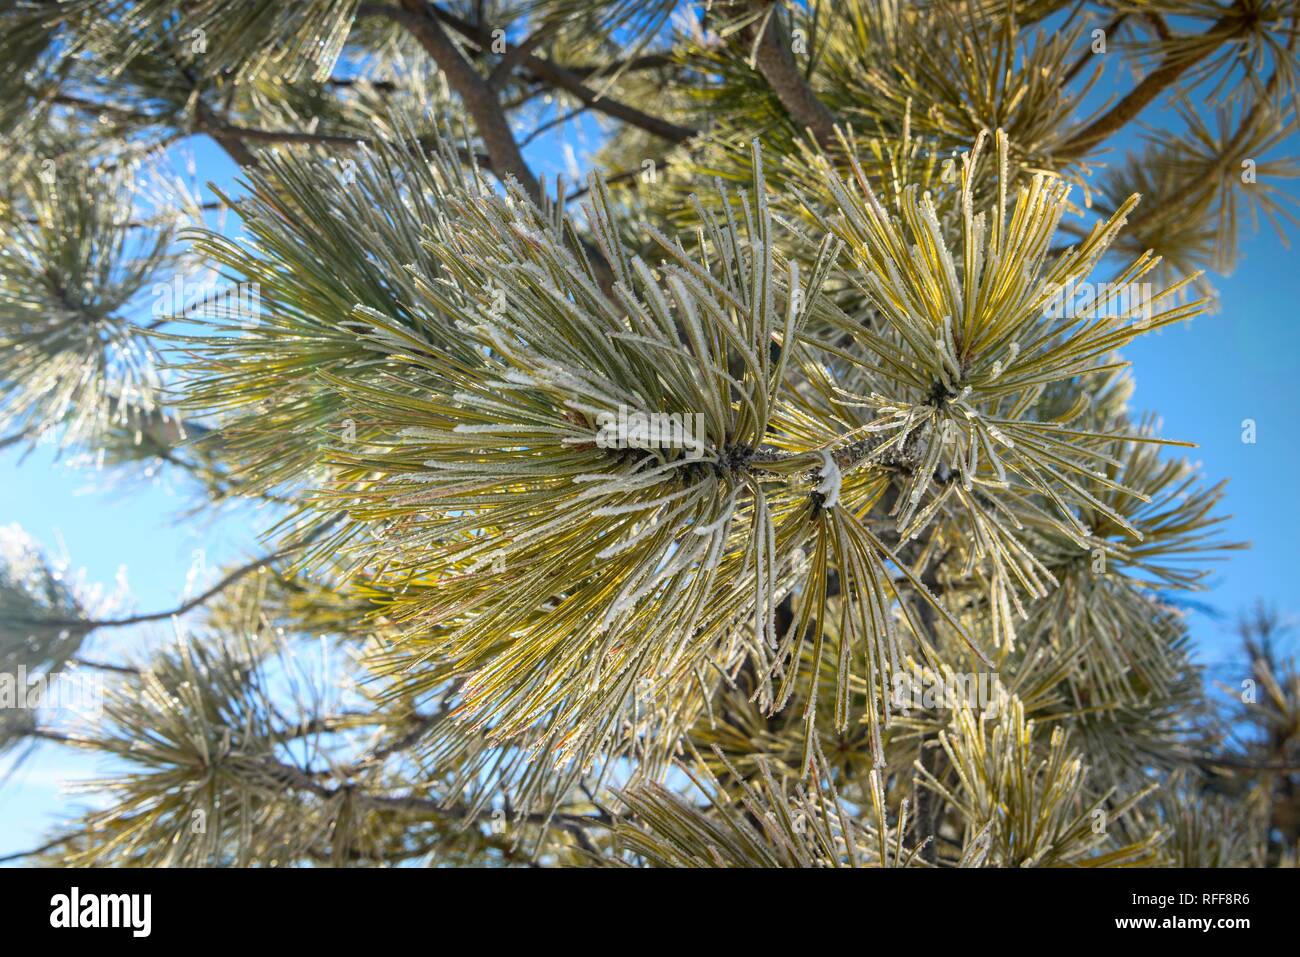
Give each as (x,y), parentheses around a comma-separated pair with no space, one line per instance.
(1203,379)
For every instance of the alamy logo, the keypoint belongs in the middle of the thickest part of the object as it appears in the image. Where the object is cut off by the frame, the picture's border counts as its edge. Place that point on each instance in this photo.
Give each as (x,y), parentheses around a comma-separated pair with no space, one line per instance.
(927,691)
(74,692)
(653,430)
(103,910)
(1103,300)
(206,300)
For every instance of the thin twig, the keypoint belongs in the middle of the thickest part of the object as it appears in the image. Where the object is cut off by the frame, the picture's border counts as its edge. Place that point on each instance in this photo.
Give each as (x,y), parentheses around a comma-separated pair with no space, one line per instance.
(181,609)
(36,850)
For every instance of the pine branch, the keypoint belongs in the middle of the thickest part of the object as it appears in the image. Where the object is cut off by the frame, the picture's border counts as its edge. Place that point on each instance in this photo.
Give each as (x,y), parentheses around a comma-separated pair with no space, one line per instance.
(1108,30)
(774,58)
(420,19)
(554,74)
(636,64)
(36,851)
(516,54)
(181,609)
(572,83)
(1165,75)
(103,666)
(901,457)
(413,804)
(232,144)
(619,177)
(1209,177)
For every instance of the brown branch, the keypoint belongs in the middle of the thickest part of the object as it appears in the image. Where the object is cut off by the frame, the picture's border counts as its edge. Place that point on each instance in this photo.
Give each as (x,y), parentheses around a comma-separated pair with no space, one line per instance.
(180,609)
(258,135)
(571,83)
(1084,60)
(205,116)
(552,123)
(104,666)
(555,74)
(342,82)
(1203,179)
(420,19)
(515,55)
(337,140)
(92,106)
(45,734)
(294,777)
(1240,764)
(649,61)
(48,845)
(1173,66)
(774,58)
(232,144)
(1158,24)
(621,177)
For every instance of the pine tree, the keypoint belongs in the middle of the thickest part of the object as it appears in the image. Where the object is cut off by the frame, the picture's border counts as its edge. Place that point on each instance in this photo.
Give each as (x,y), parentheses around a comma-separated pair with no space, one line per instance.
(772,498)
